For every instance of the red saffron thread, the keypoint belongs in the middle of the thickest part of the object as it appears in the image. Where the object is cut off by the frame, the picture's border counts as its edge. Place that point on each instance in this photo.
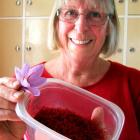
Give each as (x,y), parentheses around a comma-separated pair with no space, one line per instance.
(70,124)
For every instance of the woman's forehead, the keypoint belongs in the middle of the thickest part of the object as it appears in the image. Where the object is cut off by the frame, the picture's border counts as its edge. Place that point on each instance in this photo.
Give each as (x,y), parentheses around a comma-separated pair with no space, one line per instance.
(89,4)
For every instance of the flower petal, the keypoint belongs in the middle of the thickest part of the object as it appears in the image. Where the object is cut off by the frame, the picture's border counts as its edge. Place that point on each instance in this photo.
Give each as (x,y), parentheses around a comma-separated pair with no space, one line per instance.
(34,91)
(18,74)
(36,81)
(25,69)
(30,78)
(25,83)
(38,70)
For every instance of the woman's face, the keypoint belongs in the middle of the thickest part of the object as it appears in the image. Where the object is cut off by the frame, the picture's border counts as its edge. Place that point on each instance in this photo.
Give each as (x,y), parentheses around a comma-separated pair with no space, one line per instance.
(82,39)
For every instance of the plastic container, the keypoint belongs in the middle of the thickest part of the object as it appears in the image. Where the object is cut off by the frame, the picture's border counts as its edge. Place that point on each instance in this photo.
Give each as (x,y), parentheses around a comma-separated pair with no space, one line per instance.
(56,93)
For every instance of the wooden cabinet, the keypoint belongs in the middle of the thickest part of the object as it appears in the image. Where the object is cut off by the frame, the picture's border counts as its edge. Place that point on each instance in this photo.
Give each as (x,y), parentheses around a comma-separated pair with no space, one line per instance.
(133,49)
(10,36)
(10,46)
(10,8)
(134,7)
(133,41)
(13,31)
(36,41)
(120,6)
(39,7)
(37,13)
(128,47)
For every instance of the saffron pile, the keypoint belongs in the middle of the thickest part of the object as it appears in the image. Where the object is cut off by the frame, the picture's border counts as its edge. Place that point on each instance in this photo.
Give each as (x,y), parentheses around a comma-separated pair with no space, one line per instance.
(70,124)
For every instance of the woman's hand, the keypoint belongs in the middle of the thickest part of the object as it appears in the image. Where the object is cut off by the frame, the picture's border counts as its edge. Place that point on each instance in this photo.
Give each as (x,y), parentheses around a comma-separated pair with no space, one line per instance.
(98,117)
(11,127)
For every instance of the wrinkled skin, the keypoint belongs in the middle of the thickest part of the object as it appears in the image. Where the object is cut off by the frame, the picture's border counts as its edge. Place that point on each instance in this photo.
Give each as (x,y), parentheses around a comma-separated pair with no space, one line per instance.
(11,127)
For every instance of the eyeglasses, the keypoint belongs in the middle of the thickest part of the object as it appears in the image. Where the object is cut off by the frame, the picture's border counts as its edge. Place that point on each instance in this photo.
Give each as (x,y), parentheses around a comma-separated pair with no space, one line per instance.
(93,18)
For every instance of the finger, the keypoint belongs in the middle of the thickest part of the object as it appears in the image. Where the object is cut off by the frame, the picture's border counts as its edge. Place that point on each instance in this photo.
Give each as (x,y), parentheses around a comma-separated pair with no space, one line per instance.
(18,128)
(10,94)
(10,82)
(98,116)
(12,130)
(5,104)
(8,115)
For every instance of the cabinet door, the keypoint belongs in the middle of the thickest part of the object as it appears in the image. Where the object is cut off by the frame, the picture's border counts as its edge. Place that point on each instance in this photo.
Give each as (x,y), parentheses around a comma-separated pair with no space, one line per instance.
(118,56)
(36,42)
(120,6)
(39,7)
(133,51)
(10,8)
(10,46)
(133,7)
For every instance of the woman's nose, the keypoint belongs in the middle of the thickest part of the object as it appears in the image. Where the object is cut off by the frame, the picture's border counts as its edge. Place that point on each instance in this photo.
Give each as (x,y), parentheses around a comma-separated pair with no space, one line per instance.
(81,25)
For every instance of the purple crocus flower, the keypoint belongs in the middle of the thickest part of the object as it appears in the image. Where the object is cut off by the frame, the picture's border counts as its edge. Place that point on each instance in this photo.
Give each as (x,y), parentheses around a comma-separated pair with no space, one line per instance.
(30,78)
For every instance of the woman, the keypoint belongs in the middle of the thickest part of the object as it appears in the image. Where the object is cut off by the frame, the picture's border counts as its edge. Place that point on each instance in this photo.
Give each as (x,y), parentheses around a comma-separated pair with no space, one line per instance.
(83,31)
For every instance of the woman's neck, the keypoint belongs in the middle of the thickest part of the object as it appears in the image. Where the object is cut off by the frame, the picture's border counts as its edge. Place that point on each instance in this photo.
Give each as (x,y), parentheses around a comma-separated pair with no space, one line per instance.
(81,74)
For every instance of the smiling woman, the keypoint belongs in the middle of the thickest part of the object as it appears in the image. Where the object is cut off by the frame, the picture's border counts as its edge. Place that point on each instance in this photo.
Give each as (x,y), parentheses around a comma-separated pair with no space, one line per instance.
(99,8)
(83,31)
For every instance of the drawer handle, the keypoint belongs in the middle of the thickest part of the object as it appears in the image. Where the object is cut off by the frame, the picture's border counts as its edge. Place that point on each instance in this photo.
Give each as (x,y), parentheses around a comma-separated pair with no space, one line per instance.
(29,2)
(18,2)
(119,50)
(132,49)
(134,0)
(17,48)
(120,1)
(28,48)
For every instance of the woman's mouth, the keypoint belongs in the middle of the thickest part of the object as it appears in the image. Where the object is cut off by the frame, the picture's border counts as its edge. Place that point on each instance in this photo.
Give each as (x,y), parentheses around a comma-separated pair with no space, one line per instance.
(80,42)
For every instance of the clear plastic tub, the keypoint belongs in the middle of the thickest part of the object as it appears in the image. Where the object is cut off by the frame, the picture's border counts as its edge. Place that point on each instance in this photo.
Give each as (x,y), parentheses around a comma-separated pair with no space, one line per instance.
(56,93)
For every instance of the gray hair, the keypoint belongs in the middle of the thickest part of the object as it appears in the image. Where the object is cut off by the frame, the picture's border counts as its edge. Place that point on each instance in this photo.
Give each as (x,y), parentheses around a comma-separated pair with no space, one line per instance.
(111,41)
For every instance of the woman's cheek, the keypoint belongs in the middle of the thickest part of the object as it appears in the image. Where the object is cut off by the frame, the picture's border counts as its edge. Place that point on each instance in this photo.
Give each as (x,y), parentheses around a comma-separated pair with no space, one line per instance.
(63,31)
(100,34)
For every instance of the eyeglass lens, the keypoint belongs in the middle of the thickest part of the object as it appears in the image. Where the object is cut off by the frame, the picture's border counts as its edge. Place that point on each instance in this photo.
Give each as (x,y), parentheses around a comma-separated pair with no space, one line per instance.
(92,17)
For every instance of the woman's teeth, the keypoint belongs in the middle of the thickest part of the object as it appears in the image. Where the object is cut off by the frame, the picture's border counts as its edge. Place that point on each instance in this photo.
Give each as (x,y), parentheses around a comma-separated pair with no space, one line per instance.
(80,42)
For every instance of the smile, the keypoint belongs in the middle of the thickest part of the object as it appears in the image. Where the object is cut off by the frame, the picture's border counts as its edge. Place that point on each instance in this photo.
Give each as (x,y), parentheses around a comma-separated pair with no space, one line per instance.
(80,42)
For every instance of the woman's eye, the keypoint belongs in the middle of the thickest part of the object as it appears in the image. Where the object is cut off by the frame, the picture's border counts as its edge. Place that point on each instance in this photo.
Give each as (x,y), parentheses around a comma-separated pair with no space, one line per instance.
(94,14)
(70,13)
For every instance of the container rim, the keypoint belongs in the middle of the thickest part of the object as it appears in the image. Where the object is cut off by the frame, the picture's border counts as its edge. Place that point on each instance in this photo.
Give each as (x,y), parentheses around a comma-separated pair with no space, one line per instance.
(24,115)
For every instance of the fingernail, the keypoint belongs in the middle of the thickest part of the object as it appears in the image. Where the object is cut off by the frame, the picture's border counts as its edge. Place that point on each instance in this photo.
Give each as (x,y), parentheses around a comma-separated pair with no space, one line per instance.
(15,83)
(17,94)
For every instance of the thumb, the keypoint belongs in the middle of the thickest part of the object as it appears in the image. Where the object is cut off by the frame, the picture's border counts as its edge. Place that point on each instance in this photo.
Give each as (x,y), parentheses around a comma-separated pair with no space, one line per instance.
(98,116)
